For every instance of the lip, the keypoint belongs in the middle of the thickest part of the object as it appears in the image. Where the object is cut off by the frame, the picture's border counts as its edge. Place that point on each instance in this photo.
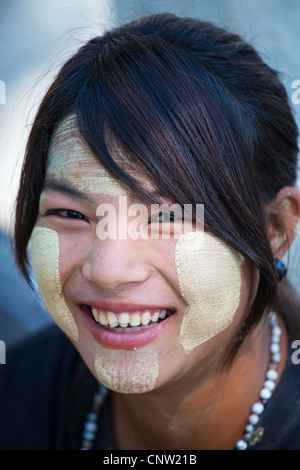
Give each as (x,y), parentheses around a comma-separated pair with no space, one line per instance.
(116,340)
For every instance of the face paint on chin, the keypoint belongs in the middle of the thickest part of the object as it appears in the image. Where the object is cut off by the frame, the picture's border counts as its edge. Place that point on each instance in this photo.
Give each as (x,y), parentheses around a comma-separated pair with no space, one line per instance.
(209,274)
(129,371)
(45,263)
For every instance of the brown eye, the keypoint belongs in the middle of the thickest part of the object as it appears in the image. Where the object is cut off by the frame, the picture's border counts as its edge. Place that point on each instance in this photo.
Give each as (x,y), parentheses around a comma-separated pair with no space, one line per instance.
(68,214)
(164,217)
(74,215)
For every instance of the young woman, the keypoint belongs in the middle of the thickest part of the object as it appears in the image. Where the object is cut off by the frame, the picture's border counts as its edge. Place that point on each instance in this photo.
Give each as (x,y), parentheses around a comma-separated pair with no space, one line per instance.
(185,331)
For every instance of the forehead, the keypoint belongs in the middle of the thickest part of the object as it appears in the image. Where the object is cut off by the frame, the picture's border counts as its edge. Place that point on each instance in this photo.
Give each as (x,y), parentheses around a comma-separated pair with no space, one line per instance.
(70,158)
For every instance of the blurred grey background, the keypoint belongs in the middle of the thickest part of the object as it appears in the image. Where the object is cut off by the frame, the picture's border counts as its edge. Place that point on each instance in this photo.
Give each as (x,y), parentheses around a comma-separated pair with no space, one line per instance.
(37,36)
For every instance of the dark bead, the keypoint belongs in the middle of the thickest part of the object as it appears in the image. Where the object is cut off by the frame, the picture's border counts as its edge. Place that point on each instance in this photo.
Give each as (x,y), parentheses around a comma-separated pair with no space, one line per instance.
(281,269)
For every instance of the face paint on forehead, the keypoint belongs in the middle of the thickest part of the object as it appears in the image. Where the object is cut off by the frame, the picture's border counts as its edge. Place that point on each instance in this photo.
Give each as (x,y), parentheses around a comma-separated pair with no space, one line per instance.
(45,263)
(209,274)
(71,158)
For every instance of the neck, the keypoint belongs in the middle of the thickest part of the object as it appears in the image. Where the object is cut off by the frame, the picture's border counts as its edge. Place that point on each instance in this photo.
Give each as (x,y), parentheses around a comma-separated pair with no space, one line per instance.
(210,414)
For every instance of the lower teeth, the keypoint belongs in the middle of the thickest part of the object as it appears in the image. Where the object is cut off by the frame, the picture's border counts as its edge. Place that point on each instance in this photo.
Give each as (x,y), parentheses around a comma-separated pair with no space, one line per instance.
(120,329)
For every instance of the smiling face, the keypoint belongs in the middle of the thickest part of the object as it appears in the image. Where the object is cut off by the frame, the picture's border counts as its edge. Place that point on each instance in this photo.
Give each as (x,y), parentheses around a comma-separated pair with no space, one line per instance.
(141,311)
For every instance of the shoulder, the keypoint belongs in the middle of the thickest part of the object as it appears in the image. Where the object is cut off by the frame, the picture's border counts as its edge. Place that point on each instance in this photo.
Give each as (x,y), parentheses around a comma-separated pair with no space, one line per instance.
(280,423)
(34,388)
(42,352)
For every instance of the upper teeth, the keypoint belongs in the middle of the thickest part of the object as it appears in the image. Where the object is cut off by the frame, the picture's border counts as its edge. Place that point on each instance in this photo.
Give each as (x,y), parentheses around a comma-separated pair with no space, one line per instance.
(126,319)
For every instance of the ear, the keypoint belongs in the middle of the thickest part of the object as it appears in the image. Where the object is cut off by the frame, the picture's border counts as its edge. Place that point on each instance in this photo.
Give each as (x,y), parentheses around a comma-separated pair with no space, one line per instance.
(282,217)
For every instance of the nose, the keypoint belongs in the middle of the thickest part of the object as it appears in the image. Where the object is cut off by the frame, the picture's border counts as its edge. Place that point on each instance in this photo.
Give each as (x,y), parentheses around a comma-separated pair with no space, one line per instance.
(114,263)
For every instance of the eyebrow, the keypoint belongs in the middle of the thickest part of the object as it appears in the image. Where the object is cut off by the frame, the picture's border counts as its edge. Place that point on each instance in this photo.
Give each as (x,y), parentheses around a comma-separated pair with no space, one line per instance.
(64,187)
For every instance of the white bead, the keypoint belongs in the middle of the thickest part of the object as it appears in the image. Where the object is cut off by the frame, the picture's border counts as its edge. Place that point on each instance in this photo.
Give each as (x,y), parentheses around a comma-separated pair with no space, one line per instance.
(253,419)
(90,426)
(273,319)
(275,339)
(269,384)
(276,358)
(89,436)
(241,445)
(258,408)
(274,348)
(249,428)
(265,394)
(272,374)
(92,416)
(276,331)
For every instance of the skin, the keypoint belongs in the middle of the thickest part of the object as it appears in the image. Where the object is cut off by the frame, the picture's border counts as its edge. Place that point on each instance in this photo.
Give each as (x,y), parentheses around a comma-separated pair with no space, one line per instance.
(156,412)
(209,274)
(45,262)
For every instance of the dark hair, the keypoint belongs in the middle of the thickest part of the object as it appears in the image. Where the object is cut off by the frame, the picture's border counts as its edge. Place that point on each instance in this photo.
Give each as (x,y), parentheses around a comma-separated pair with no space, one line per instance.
(198,110)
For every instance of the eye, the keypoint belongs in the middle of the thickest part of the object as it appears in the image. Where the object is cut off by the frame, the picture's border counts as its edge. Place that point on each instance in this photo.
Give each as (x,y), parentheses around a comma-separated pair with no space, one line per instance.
(68,214)
(164,217)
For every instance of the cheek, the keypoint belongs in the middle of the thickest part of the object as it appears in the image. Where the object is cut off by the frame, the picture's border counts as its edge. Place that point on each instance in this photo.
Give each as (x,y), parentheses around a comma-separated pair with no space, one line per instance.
(45,263)
(209,274)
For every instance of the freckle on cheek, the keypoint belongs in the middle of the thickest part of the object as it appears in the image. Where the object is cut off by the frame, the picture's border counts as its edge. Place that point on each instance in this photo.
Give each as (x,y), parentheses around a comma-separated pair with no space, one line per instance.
(45,263)
(209,274)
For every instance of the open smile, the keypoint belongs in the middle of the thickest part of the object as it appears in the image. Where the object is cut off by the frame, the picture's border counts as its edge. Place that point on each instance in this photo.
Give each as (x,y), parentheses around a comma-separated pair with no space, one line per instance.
(126,322)
(140,325)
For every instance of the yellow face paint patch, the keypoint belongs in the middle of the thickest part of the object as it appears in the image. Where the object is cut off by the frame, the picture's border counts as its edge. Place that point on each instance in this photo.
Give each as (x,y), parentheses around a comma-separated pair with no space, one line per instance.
(70,157)
(129,372)
(45,263)
(209,274)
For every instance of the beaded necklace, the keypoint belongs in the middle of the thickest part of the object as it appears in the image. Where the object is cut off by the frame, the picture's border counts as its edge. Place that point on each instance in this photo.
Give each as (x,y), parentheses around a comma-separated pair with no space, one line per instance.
(91,424)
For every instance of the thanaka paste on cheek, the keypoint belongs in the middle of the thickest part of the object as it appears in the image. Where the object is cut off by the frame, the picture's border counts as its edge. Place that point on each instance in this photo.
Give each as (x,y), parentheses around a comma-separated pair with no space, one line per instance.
(45,263)
(127,371)
(209,274)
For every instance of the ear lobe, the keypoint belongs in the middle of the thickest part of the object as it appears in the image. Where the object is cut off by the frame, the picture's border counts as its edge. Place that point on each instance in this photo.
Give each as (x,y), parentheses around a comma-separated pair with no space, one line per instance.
(282,218)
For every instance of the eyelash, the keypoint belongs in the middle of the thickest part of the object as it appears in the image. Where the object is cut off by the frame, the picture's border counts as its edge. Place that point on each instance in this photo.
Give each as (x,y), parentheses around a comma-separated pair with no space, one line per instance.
(172,217)
(68,211)
(70,215)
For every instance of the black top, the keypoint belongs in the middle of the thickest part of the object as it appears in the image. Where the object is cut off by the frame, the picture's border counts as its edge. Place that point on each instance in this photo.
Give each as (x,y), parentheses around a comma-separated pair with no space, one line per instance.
(46,392)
